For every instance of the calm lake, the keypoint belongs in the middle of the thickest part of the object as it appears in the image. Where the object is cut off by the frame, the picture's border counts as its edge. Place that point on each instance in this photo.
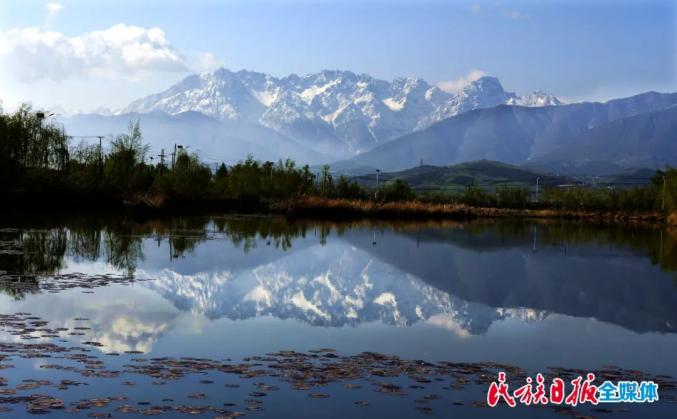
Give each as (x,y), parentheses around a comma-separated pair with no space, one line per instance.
(271,318)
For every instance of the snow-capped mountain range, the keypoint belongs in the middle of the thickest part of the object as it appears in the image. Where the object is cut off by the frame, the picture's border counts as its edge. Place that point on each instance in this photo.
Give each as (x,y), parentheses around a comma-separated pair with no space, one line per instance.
(327,285)
(333,112)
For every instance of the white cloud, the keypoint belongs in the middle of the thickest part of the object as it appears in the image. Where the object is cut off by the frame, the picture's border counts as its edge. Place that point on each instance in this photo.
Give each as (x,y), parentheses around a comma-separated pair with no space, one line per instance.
(121,51)
(206,62)
(515,14)
(447,322)
(53,10)
(455,86)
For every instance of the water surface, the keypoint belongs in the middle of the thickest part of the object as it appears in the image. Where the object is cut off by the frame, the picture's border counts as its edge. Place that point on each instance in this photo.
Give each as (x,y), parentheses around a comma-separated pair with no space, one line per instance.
(530,295)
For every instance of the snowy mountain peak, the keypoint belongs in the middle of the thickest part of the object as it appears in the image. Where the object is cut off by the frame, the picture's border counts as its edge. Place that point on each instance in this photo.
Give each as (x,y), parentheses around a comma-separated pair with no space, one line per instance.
(485,84)
(333,111)
(335,285)
(537,98)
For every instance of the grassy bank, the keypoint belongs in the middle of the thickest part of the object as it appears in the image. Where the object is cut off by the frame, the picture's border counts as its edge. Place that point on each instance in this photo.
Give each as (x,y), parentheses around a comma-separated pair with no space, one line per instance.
(314,207)
(672,219)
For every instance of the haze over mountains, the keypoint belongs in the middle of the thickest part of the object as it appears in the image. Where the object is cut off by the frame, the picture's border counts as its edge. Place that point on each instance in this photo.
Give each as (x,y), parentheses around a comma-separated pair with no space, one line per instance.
(362,121)
(640,131)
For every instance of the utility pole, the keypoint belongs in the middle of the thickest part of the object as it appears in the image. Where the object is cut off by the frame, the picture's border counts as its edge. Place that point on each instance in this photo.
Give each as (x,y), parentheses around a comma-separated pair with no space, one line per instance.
(378,171)
(538,179)
(100,137)
(162,159)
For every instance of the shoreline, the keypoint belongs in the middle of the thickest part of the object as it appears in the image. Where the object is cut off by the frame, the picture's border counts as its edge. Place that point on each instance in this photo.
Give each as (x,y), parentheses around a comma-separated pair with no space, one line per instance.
(314,208)
(346,209)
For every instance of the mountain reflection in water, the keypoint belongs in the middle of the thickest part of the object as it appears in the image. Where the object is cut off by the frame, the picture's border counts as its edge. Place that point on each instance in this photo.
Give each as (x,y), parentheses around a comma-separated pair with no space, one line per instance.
(459,276)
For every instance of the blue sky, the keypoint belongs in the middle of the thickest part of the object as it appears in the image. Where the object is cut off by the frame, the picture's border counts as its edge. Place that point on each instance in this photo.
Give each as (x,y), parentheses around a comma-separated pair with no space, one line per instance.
(87,54)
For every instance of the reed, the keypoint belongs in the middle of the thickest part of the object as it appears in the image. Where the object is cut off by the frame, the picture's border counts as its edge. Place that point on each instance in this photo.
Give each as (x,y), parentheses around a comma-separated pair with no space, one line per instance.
(672,219)
(316,207)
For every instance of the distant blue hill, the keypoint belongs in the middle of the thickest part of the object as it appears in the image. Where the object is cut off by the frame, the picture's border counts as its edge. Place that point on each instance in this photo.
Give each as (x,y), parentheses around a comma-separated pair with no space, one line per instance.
(483,173)
(638,131)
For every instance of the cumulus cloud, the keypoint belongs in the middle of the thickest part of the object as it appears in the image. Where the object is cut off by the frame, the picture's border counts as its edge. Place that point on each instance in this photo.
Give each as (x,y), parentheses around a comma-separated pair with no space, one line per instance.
(455,86)
(119,51)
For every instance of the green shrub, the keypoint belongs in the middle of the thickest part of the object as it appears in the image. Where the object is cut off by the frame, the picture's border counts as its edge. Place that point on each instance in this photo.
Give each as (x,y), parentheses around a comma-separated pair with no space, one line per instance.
(397,190)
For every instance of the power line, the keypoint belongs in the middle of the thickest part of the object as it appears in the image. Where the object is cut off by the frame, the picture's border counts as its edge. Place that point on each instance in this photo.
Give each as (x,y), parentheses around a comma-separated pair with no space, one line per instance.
(100,137)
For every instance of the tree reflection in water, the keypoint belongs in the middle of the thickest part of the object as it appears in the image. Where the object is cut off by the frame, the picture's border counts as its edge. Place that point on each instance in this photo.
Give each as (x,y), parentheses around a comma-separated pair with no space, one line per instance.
(31,249)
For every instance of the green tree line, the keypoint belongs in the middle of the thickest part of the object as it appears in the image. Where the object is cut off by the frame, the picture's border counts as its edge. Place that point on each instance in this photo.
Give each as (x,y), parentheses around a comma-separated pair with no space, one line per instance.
(37,155)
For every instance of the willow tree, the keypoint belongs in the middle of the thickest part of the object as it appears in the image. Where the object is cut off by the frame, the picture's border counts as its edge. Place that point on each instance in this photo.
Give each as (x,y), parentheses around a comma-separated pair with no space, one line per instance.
(29,140)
